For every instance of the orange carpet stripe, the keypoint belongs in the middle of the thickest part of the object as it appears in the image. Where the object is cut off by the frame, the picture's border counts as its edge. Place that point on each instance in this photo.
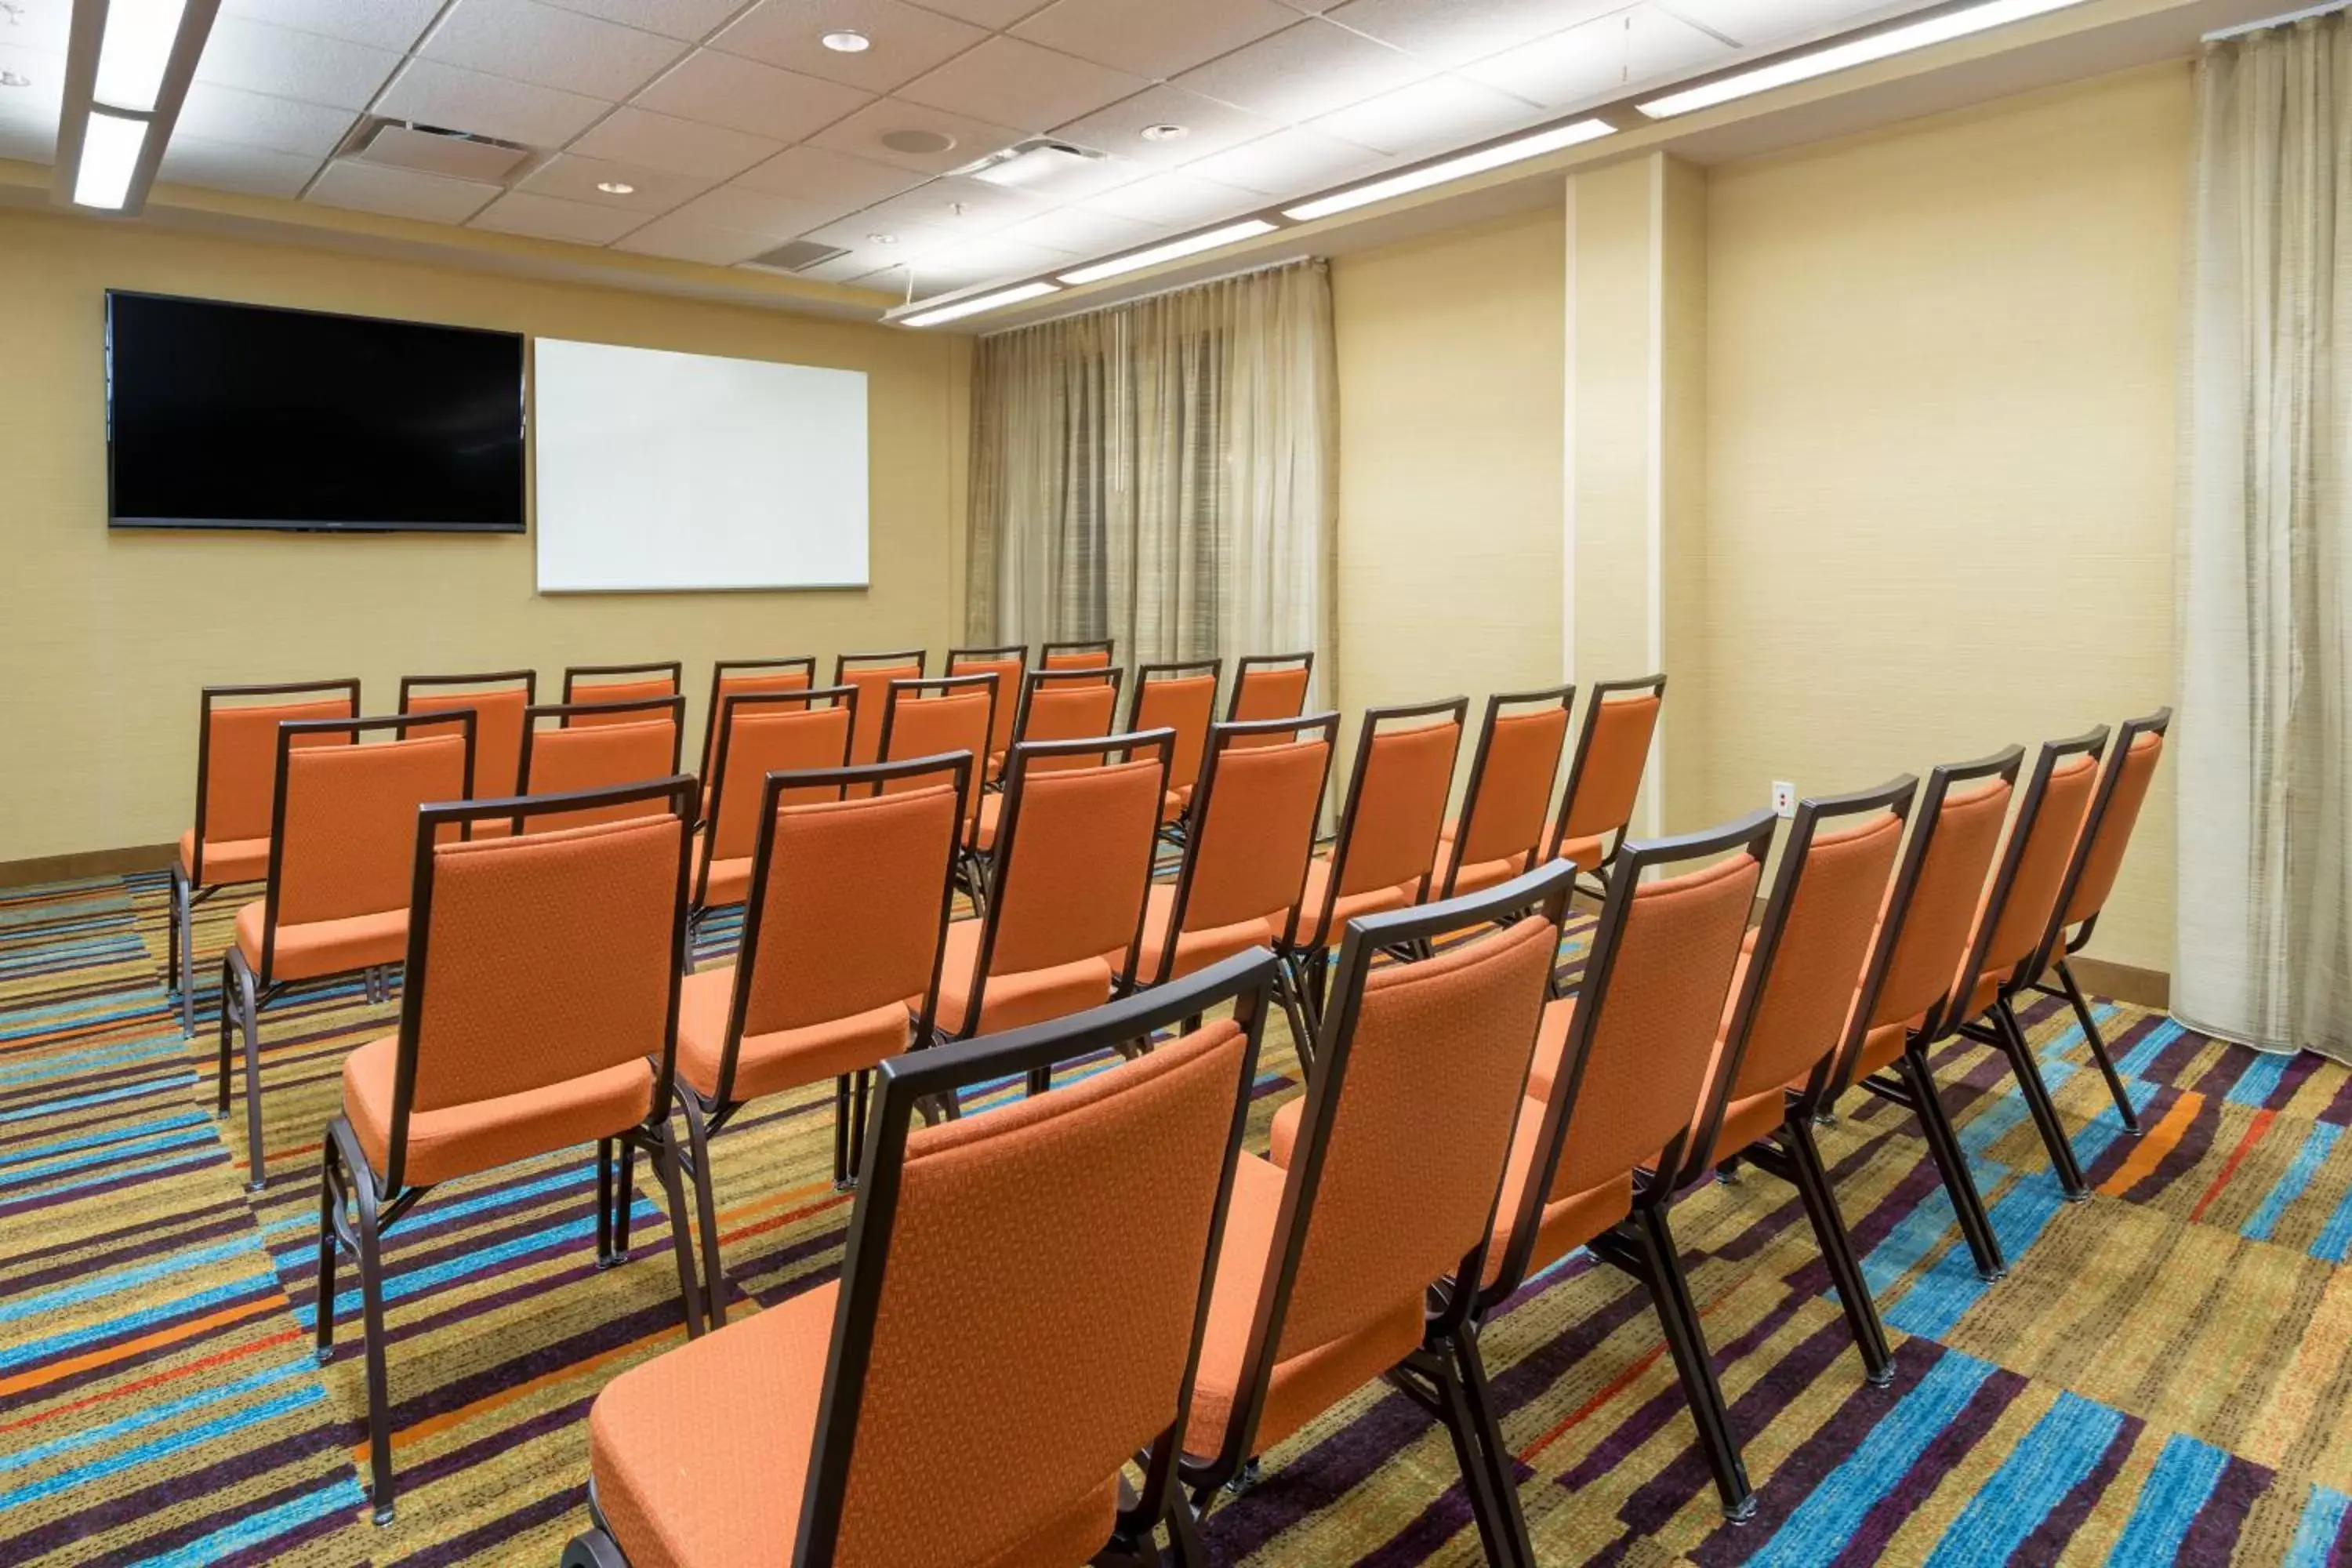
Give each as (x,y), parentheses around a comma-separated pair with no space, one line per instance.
(2263,1120)
(786,1198)
(433,1425)
(195,1328)
(760,1227)
(1615,1387)
(218,1358)
(2155,1144)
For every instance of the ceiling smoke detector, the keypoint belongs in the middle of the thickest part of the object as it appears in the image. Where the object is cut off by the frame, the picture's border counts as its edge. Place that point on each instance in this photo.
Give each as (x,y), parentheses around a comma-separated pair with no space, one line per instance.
(1165,132)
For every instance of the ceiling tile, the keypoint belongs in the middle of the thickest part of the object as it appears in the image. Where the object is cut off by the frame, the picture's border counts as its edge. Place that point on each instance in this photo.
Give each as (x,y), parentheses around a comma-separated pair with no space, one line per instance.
(1175,200)
(44,25)
(906,42)
(225,166)
(966,207)
(976,261)
(1290,161)
(857,232)
(664,142)
(1020,85)
(681,238)
(311,66)
(568,177)
(550,47)
(1081,232)
(996,15)
(31,137)
(545,218)
(1455,32)
(399,193)
(861,135)
(814,174)
(685,20)
(459,100)
(1600,59)
(45,78)
(1309,69)
(1208,127)
(1153,38)
(217,113)
(1431,116)
(757,212)
(384,24)
(1779,23)
(744,95)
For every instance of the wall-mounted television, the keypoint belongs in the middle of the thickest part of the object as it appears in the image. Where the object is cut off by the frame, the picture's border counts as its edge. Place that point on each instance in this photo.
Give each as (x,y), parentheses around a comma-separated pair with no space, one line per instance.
(226,416)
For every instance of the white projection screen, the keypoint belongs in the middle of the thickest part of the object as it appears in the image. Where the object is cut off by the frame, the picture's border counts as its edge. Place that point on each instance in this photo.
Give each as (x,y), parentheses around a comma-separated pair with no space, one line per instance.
(661,471)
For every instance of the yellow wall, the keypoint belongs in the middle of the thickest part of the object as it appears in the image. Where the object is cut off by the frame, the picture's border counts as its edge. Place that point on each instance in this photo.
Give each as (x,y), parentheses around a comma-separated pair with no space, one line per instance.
(1941,365)
(107,636)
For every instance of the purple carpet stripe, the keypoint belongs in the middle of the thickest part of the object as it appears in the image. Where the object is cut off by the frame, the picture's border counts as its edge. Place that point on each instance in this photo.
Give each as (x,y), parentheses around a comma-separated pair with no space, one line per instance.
(2047,1542)
(2213,1532)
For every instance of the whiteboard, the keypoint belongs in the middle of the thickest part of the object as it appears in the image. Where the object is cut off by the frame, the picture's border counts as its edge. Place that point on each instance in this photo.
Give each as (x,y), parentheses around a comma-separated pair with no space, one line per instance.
(660,471)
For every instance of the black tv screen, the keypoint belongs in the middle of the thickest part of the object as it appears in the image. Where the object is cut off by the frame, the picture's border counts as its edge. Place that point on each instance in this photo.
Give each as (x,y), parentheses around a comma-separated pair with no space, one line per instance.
(222,415)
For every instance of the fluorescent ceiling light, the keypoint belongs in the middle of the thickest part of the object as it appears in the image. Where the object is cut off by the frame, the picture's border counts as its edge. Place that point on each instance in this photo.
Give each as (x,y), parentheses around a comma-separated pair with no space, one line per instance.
(1031,164)
(1191,245)
(135,50)
(1845,56)
(974,306)
(1468,164)
(109,152)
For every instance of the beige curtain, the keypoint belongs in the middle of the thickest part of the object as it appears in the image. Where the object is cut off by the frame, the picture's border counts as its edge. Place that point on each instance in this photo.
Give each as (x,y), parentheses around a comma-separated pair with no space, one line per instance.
(2265,861)
(1163,473)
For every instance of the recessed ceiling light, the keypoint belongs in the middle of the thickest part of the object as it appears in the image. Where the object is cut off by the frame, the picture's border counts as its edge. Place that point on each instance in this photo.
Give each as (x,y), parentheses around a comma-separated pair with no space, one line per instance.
(1469,164)
(846,42)
(1248,229)
(974,306)
(1164,132)
(882,239)
(617,187)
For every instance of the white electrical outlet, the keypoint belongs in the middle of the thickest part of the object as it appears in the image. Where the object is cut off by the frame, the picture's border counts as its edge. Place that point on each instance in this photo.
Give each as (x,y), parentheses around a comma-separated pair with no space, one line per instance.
(1784,797)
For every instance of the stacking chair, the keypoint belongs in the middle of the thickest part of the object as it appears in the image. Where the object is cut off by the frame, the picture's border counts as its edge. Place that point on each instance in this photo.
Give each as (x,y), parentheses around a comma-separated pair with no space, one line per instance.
(1183,698)
(1063,921)
(587,686)
(1098,654)
(236,761)
(930,718)
(872,673)
(1508,801)
(571,747)
(1595,1158)
(1269,686)
(1922,938)
(540,1013)
(1357,1252)
(850,895)
(498,701)
(1613,749)
(1387,844)
(1792,1003)
(1017,1318)
(736,677)
(1007,664)
(342,826)
(2091,878)
(1055,705)
(760,733)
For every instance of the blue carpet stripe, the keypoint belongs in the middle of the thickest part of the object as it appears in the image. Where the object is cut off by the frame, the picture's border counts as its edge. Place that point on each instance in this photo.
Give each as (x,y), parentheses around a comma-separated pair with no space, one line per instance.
(2048,1462)
(2183,1479)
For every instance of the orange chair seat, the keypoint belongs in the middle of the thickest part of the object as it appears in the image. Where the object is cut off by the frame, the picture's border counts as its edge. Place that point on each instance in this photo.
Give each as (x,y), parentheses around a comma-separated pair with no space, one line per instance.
(991,811)
(1585,852)
(1172,804)
(226,860)
(460,1140)
(1881,1046)
(730,882)
(700,1455)
(785,1059)
(1196,950)
(1304,1385)
(1568,1221)
(1477,877)
(313,948)
(1371,901)
(1012,1000)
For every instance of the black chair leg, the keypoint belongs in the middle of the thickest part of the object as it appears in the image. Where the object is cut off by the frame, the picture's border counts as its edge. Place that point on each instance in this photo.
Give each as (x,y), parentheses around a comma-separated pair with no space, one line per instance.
(372,1310)
(624,1199)
(841,1133)
(1837,1248)
(1951,1162)
(330,1210)
(603,1203)
(2098,1043)
(1678,1316)
(1477,1477)
(1494,1454)
(183,949)
(663,1151)
(248,1008)
(714,1279)
(2020,1052)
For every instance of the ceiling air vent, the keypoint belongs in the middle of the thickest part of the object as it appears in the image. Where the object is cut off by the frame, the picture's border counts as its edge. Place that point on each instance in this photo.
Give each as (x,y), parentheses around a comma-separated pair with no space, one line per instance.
(432,149)
(798,256)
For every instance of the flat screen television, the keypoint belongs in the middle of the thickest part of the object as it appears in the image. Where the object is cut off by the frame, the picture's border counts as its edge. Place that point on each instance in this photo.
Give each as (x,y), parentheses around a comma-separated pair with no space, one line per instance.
(225,415)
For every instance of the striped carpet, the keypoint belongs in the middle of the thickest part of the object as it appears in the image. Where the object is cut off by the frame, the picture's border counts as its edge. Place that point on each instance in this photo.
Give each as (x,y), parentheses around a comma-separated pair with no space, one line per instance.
(2162,1377)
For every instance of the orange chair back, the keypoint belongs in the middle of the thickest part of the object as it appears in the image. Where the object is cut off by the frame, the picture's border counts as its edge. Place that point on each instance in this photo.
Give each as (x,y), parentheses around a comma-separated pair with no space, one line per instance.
(1076,655)
(2123,790)
(871,674)
(1396,797)
(1922,935)
(1270,685)
(499,702)
(1065,705)
(1006,664)
(1254,832)
(627,744)
(2022,902)
(591,687)
(1612,751)
(1073,856)
(762,733)
(538,960)
(744,678)
(1508,800)
(236,751)
(1183,698)
(933,718)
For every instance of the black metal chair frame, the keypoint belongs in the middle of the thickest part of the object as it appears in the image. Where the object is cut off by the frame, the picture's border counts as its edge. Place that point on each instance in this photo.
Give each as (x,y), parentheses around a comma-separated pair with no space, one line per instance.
(1106,647)
(1176,669)
(970,873)
(719,671)
(1598,873)
(595,675)
(698,908)
(1473,788)
(1256,661)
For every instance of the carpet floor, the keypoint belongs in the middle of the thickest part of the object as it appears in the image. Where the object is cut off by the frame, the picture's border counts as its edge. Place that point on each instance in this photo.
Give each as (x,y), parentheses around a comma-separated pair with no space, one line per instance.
(2163,1376)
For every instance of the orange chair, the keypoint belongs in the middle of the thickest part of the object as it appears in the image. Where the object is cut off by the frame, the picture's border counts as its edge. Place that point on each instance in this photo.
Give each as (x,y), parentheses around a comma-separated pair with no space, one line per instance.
(1604,779)
(237,759)
(1270,685)
(1387,844)
(872,673)
(1047,1264)
(931,718)
(1923,936)
(1063,922)
(1792,999)
(760,733)
(850,894)
(1008,664)
(1595,1157)
(1056,705)
(1508,801)
(499,702)
(541,1013)
(595,746)
(591,685)
(738,677)
(1344,1258)
(341,823)
(1099,654)
(2091,878)
(1183,698)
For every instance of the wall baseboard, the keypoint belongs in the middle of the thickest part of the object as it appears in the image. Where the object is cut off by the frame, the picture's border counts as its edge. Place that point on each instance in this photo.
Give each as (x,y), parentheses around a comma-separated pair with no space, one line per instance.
(2124,982)
(85,863)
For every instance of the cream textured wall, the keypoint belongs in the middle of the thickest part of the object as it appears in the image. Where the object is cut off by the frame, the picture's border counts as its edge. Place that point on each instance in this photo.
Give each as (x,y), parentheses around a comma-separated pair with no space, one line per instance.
(1941,371)
(1450,458)
(107,637)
